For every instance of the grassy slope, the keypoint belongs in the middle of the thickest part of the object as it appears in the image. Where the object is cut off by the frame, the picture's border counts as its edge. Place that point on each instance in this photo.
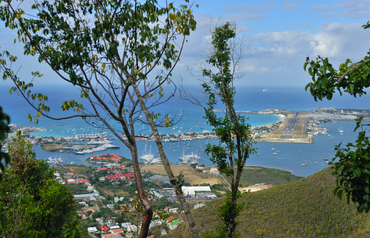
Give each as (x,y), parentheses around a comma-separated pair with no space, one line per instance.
(253,174)
(303,208)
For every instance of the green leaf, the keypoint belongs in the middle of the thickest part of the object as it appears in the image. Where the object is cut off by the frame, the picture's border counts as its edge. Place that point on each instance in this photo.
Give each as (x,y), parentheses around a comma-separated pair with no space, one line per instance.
(339,194)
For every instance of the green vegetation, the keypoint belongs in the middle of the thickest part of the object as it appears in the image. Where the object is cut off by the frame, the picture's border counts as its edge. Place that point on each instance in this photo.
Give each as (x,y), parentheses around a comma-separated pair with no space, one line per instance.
(32,203)
(232,130)
(352,171)
(76,169)
(118,54)
(303,208)
(4,128)
(252,175)
(79,188)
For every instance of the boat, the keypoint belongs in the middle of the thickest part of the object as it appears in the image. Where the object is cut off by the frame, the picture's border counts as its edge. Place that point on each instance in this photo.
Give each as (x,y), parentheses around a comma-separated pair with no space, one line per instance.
(304,164)
(299,151)
(99,142)
(148,157)
(189,159)
(325,158)
(111,146)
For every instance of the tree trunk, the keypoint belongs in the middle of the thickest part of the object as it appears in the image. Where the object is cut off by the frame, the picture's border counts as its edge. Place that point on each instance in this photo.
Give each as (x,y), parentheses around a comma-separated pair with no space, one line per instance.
(231,227)
(166,164)
(148,214)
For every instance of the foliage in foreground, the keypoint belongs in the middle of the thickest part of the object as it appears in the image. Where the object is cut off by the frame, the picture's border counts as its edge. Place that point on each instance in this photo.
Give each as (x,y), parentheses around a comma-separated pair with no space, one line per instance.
(4,128)
(352,171)
(32,203)
(303,208)
(232,130)
(119,54)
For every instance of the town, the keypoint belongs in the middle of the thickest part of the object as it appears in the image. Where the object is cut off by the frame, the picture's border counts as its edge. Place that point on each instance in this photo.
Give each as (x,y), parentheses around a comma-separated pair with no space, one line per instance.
(107,195)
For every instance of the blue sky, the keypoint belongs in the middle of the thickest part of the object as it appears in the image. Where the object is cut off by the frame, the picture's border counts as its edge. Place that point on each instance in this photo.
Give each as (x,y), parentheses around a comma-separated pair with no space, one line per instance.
(281,34)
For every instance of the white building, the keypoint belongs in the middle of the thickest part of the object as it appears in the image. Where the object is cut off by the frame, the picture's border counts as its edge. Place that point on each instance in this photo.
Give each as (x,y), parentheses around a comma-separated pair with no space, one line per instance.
(190,191)
(92,229)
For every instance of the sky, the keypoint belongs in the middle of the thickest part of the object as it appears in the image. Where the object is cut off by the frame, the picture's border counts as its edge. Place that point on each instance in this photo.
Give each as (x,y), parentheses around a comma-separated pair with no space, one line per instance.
(280,34)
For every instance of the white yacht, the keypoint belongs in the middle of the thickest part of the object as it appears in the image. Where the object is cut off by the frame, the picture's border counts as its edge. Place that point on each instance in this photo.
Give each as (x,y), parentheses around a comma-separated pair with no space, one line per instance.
(189,159)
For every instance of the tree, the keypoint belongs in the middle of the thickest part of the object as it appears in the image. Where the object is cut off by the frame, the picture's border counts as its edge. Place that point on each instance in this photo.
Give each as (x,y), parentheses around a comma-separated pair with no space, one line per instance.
(352,171)
(110,51)
(4,128)
(32,203)
(232,129)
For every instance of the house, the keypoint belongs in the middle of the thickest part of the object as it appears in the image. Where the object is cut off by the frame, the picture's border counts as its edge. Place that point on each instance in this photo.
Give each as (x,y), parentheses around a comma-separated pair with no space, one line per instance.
(86,197)
(81,214)
(173,210)
(90,188)
(113,227)
(83,181)
(126,224)
(198,205)
(70,173)
(214,170)
(191,190)
(116,231)
(131,228)
(83,203)
(101,178)
(129,175)
(171,218)
(116,199)
(199,167)
(172,227)
(111,236)
(71,181)
(92,230)
(104,228)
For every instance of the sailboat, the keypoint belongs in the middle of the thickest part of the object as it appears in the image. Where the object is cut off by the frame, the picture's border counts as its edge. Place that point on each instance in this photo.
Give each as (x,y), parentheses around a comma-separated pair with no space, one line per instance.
(325,158)
(189,159)
(299,151)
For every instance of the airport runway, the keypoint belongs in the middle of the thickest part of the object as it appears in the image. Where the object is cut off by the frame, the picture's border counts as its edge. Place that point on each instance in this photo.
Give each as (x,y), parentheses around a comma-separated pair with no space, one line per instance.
(290,127)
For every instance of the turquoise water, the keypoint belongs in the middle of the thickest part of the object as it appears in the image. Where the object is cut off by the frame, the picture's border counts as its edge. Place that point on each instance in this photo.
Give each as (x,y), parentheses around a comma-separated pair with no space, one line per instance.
(247,98)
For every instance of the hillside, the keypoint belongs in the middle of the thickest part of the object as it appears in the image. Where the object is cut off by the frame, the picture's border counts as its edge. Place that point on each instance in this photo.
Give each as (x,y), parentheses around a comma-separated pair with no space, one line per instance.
(303,208)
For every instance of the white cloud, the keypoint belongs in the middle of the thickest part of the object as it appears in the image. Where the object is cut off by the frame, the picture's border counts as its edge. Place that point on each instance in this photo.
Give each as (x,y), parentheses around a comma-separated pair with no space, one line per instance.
(333,40)
(290,7)
(346,9)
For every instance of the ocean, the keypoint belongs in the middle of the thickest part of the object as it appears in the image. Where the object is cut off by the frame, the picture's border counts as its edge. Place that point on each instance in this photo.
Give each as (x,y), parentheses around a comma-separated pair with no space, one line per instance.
(247,98)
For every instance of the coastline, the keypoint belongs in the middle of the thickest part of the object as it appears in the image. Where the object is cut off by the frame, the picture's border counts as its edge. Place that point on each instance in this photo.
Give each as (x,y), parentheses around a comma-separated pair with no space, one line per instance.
(282,117)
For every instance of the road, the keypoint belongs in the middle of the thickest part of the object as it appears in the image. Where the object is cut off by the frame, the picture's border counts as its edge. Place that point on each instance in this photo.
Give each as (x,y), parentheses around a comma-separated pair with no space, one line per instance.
(290,127)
